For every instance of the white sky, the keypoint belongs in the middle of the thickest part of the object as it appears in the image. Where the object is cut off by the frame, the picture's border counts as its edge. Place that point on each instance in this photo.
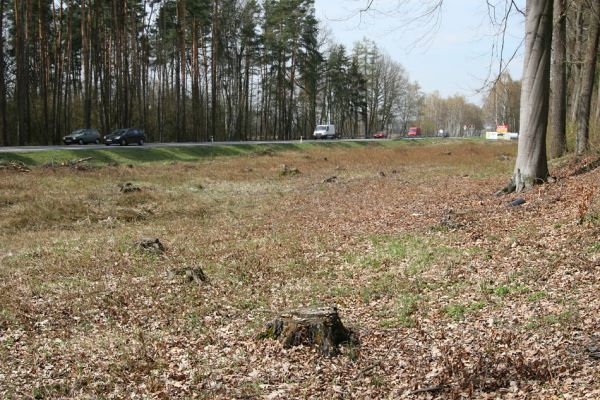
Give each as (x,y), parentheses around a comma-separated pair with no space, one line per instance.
(453,59)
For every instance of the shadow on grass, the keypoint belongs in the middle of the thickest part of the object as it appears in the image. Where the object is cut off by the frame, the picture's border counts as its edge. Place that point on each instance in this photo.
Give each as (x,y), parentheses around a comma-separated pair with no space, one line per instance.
(136,155)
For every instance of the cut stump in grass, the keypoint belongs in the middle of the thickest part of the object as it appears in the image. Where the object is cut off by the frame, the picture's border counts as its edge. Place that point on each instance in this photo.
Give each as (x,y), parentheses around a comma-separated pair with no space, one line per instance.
(150,244)
(190,275)
(286,170)
(320,327)
(128,188)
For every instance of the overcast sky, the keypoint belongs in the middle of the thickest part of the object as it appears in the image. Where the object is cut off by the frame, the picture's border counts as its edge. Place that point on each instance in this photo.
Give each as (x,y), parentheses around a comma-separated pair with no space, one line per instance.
(453,58)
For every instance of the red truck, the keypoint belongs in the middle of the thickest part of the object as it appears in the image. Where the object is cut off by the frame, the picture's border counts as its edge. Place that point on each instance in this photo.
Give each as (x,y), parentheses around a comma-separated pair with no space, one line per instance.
(414,131)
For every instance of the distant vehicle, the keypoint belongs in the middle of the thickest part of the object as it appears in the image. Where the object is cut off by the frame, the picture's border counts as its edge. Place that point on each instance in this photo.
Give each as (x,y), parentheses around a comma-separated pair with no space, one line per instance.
(82,136)
(414,131)
(324,132)
(379,135)
(125,136)
(502,128)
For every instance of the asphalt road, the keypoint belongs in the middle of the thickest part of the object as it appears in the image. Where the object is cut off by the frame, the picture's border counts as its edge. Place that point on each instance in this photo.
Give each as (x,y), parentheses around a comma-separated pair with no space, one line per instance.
(22,149)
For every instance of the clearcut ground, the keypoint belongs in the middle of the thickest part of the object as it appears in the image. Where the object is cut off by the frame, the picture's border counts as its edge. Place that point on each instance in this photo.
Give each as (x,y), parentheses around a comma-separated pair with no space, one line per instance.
(452,292)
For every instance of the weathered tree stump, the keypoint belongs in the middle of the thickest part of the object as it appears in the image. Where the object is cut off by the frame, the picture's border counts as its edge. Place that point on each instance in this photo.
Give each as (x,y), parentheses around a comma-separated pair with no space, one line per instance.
(150,244)
(128,188)
(190,275)
(286,170)
(320,327)
(195,275)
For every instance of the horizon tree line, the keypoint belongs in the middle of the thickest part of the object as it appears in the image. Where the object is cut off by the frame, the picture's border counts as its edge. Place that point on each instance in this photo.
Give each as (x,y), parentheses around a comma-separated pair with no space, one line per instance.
(189,70)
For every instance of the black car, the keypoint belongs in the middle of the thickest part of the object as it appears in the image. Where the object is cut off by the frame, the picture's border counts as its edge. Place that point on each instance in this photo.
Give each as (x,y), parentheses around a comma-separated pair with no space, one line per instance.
(82,136)
(125,137)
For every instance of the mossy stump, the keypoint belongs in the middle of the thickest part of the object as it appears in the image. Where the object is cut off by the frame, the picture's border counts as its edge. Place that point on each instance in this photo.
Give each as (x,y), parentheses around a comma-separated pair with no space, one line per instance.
(320,327)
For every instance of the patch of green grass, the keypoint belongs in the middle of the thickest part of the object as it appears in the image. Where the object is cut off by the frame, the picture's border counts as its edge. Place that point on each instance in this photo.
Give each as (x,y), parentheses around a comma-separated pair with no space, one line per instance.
(503,290)
(595,248)
(377,381)
(536,296)
(407,304)
(563,319)
(341,291)
(418,252)
(386,285)
(458,312)
(138,155)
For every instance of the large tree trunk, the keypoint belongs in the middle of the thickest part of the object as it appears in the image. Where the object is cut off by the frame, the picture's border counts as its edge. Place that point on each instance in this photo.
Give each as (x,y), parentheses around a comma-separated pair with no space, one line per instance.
(559,81)
(587,81)
(532,166)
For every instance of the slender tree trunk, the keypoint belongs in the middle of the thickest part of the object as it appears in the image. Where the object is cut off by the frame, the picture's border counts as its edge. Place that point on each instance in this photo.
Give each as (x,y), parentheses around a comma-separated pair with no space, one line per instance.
(559,81)
(5,141)
(246,120)
(124,54)
(22,87)
(290,116)
(182,64)
(587,81)
(43,72)
(85,58)
(57,81)
(67,112)
(532,166)
(576,61)
(197,109)
(205,67)
(213,68)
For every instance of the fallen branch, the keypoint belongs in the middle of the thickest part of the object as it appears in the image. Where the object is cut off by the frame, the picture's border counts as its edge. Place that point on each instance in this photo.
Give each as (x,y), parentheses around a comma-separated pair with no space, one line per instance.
(14,165)
(428,389)
(374,365)
(75,162)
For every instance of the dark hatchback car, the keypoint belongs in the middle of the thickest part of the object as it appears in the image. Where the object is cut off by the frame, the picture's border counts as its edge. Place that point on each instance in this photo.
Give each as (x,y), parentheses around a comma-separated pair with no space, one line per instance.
(126,136)
(82,136)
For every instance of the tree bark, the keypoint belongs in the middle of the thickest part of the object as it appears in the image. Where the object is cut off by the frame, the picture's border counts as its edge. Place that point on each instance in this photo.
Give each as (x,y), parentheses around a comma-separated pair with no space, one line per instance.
(576,60)
(532,165)
(85,58)
(3,116)
(319,327)
(559,81)
(587,81)
(213,68)
(196,107)
(22,87)
(182,64)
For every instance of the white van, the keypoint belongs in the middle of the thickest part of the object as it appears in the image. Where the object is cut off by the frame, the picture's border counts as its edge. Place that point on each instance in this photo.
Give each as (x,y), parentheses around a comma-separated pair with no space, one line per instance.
(324,132)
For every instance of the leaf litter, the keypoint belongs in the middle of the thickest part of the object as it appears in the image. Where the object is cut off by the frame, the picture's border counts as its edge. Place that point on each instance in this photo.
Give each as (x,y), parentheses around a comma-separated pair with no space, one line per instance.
(453,294)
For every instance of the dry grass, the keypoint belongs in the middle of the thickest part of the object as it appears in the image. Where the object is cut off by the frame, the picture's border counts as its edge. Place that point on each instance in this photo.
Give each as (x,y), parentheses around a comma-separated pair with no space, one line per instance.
(498,304)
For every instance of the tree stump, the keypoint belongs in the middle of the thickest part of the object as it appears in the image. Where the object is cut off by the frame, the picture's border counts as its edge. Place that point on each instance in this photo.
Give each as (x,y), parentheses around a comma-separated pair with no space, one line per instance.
(128,188)
(288,171)
(189,275)
(320,327)
(150,244)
